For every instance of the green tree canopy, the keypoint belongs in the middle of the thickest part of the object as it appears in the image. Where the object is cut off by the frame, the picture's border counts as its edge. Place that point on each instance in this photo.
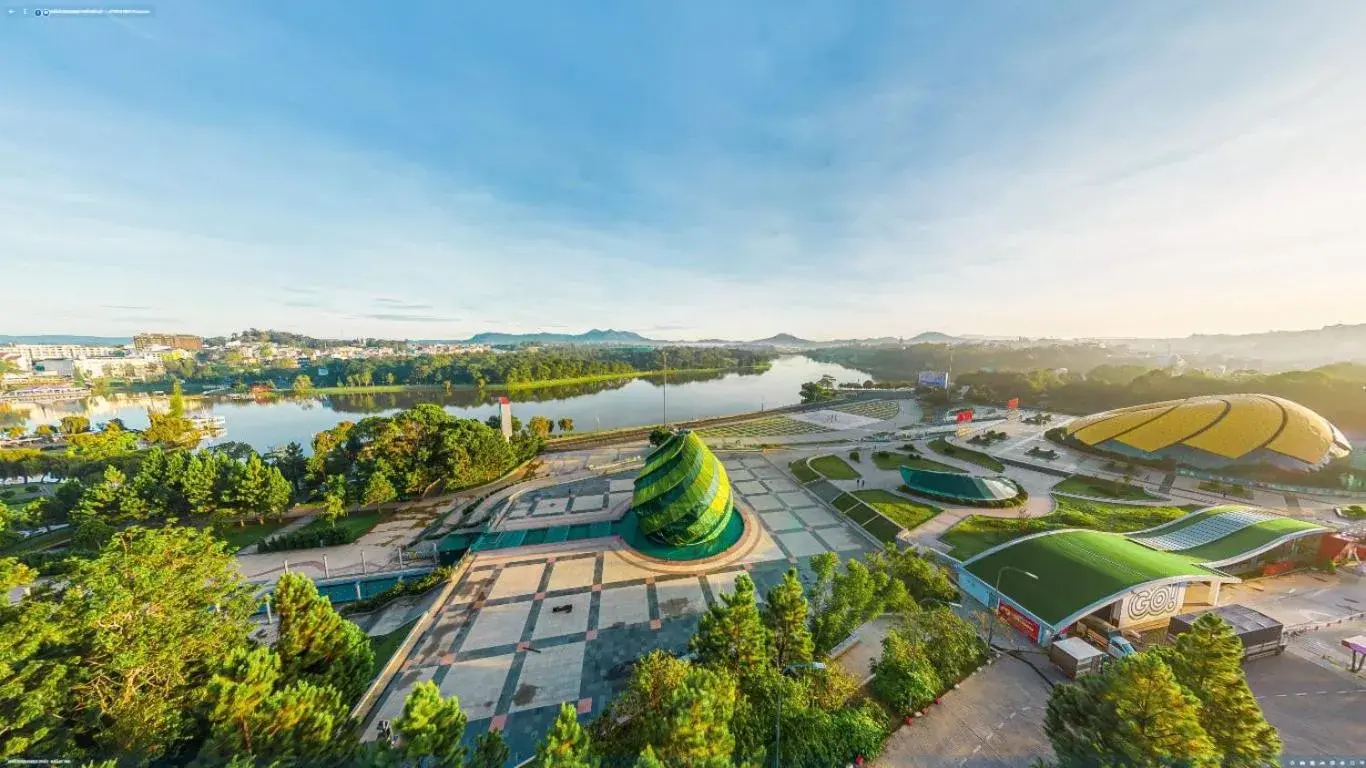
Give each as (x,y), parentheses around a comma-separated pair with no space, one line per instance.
(490,750)
(731,634)
(566,745)
(254,711)
(785,616)
(430,729)
(1134,713)
(1207,661)
(316,643)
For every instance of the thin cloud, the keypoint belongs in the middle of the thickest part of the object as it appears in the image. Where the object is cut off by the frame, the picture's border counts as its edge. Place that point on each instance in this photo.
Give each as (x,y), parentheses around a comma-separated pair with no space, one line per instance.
(397,317)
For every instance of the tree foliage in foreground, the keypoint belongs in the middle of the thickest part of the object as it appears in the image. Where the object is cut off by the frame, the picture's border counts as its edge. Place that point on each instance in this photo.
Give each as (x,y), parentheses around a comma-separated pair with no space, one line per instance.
(1207,661)
(316,644)
(1135,713)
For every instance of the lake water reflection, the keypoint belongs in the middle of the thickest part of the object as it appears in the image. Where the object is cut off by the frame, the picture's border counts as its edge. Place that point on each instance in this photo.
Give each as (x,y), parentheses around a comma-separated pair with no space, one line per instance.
(600,405)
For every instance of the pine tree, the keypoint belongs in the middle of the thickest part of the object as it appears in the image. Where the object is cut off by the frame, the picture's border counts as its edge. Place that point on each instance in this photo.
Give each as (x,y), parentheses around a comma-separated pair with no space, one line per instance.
(318,645)
(647,759)
(199,483)
(567,743)
(258,489)
(430,729)
(33,684)
(490,750)
(731,635)
(150,617)
(1135,713)
(253,711)
(1207,662)
(785,616)
(696,718)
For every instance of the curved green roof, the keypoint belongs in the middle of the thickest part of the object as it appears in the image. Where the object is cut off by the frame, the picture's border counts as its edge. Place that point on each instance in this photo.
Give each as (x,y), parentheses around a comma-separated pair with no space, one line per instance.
(955,485)
(682,496)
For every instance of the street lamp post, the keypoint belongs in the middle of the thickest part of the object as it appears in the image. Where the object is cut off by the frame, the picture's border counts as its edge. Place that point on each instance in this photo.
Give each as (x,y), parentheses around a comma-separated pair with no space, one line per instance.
(787,670)
(991,625)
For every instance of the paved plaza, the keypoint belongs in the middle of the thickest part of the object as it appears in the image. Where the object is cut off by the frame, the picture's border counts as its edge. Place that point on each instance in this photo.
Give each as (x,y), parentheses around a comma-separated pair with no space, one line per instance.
(527,630)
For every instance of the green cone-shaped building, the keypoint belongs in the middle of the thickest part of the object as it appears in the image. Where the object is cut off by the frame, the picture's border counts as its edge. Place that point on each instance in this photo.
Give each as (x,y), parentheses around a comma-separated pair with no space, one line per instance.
(683,496)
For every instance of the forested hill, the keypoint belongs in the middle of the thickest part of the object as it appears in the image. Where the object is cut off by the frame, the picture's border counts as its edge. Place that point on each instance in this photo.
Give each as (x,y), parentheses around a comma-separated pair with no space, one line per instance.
(898,364)
(482,368)
(1340,400)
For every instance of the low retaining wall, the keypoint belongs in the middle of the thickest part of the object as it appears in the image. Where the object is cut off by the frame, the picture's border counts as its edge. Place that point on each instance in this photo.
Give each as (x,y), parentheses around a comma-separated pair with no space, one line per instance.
(424,622)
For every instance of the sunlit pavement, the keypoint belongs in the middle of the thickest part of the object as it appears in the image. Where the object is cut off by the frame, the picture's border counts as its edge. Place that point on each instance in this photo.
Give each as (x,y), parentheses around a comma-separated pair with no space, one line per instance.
(512,659)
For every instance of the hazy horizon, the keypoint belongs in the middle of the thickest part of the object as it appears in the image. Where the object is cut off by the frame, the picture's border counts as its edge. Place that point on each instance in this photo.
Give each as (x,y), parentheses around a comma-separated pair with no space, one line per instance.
(686,171)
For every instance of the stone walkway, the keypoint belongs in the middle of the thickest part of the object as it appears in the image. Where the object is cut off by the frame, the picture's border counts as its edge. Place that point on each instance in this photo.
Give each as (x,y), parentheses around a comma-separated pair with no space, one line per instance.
(504,649)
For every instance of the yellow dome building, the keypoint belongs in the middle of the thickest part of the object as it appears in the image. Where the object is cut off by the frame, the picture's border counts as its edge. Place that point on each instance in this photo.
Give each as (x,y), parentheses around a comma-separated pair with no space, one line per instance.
(1216,431)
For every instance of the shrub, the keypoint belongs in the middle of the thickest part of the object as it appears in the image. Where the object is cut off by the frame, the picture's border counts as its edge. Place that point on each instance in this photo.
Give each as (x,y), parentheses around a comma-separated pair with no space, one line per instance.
(854,455)
(903,676)
(319,537)
(50,562)
(401,589)
(8,493)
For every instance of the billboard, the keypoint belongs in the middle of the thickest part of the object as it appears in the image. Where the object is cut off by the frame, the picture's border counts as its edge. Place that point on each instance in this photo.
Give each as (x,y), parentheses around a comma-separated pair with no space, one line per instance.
(1025,625)
(933,379)
(963,415)
(1013,403)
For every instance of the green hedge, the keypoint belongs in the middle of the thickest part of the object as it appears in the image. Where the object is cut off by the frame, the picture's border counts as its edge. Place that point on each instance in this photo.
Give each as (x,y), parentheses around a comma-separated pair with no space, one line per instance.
(401,589)
(306,539)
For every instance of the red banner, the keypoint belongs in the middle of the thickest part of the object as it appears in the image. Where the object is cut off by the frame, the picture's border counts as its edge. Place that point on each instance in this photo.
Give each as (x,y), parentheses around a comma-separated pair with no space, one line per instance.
(1013,403)
(964,415)
(1014,618)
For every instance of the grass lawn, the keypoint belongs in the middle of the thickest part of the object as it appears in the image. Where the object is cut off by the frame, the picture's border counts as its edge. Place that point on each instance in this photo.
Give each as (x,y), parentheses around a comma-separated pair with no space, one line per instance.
(239,536)
(834,468)
(385,646)
(895,461)
(906,513)
(1084,485)
(978,533)
(40,542)
(802,472)
(357,523)
(21,494)
(1076,568)
(941,446)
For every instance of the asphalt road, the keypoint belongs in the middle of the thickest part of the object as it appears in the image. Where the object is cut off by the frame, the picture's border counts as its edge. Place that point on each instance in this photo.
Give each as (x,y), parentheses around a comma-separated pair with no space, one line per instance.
(996,719)
(1320,712)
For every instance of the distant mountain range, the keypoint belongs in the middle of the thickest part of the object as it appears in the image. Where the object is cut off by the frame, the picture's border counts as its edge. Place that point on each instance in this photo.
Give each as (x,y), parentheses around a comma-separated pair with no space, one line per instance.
(611,336)
(594,336)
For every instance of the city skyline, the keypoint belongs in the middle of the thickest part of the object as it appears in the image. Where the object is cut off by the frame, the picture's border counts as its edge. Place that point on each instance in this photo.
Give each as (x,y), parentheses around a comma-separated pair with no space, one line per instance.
(686,172)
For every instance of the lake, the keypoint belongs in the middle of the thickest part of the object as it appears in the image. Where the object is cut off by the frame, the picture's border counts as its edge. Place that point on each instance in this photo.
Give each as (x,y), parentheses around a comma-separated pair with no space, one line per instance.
(599,405)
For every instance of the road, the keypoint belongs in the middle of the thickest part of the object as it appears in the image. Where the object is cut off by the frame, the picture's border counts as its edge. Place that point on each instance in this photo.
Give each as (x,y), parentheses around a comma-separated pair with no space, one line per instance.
(996,717)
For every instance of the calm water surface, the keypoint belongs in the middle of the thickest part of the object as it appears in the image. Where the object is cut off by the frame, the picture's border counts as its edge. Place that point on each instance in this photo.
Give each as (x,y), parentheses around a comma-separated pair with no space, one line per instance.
(603,405)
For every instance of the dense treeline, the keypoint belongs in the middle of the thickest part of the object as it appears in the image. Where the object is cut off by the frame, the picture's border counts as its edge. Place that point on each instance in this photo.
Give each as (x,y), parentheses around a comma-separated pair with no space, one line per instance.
(1341,401)
(379,458)
(895,363)
(481,368)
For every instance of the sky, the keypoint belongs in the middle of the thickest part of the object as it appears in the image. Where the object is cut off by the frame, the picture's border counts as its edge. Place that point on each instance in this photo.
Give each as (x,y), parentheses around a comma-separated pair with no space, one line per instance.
(685,169)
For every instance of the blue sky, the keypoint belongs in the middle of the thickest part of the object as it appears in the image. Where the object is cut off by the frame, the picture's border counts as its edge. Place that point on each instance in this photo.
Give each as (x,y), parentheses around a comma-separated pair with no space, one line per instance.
(685,169)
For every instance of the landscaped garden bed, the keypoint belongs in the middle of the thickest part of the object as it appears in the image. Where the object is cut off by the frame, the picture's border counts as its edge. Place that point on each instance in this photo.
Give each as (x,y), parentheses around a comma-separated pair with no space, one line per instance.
(944,447)
(834,468)
(1084,485)
(978,533)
